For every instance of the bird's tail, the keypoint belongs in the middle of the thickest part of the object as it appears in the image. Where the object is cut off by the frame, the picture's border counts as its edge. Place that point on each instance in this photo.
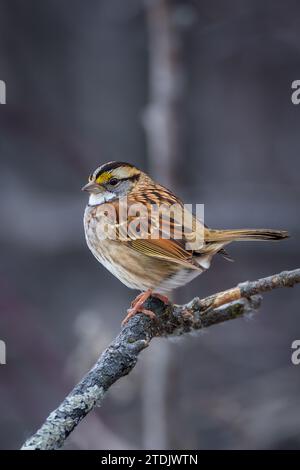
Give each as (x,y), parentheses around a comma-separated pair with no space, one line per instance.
(227,236)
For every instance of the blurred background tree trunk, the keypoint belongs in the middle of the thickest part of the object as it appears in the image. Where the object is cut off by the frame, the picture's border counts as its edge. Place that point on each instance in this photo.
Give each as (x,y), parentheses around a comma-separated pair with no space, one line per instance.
(163,126)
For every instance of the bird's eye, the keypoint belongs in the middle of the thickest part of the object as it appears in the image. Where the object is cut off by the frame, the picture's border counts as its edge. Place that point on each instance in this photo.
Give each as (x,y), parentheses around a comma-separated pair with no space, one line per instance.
(113,181)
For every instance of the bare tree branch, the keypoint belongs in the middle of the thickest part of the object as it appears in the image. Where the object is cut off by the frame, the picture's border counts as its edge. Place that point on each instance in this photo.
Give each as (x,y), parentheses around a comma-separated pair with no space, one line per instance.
(122,354)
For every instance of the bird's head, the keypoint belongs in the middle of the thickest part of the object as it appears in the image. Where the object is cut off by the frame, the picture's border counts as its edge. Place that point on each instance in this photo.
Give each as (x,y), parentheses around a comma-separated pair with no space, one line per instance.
(111,181)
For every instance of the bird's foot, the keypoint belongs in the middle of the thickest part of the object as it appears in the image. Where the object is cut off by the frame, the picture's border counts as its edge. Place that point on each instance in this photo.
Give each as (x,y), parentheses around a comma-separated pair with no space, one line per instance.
(133,311)
(149,293)
(138,302)
(137,306)
(141,298)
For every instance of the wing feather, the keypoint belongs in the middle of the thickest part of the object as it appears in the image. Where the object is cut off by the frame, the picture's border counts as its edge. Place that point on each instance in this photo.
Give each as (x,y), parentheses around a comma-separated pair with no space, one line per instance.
(163,235)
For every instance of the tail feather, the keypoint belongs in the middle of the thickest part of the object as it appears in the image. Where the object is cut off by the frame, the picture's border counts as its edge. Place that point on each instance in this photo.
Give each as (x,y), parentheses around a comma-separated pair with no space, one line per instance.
(226,236)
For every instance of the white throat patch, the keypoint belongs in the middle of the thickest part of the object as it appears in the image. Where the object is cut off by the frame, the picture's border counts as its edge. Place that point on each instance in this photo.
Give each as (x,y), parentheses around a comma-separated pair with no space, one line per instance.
(101,198)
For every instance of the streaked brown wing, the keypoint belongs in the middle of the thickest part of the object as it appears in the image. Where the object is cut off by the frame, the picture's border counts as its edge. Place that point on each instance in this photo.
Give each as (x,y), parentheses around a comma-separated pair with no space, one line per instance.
(164,234)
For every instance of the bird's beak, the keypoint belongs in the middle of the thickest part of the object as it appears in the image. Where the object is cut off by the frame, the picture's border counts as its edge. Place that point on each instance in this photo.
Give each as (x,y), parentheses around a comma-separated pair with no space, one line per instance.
(92,188)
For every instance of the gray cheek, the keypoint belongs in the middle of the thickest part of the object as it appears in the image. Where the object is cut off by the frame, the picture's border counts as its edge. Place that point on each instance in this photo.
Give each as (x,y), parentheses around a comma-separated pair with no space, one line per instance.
(123,188)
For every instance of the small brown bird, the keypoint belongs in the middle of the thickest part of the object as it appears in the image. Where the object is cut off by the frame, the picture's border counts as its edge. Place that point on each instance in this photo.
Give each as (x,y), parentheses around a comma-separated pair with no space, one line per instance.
(155,255)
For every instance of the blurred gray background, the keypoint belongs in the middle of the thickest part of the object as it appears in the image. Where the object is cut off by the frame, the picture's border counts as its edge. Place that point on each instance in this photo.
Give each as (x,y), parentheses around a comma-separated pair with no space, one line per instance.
(199,94)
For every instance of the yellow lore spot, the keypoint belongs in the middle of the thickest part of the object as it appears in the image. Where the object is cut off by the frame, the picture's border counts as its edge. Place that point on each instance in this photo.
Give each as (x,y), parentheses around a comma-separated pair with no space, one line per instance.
(103,178)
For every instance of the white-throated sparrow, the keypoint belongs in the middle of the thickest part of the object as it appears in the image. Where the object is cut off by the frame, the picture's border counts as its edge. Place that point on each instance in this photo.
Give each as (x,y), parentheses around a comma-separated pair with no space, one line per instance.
(150,250)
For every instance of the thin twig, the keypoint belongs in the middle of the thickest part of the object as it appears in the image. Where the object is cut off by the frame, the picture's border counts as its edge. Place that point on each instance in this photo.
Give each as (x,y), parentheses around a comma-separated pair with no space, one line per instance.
(122,354)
